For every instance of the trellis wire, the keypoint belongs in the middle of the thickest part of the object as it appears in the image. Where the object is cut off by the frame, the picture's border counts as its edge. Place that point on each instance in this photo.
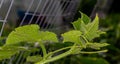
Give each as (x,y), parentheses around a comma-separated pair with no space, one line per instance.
(52,12)
(5,19)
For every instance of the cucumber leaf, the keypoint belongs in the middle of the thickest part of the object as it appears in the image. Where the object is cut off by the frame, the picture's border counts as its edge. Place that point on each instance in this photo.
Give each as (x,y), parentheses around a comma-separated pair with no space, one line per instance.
(80,25)
(28,33)
(72,36)
(48,36)
(85,18)
(92,29)
(88,29)
(7,53)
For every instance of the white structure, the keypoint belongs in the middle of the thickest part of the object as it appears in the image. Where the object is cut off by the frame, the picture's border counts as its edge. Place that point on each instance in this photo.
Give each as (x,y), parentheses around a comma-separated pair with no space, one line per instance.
(46,13)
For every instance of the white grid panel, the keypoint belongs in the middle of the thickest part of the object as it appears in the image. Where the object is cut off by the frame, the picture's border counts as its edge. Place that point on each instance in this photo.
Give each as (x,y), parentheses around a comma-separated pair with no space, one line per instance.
(6,12)
(46,13)
(52,12)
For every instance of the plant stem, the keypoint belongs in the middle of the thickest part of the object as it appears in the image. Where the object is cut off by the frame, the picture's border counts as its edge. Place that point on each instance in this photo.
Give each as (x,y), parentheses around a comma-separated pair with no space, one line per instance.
(59,56)
(43,49)
(85,39)
(62,49)
(83,52)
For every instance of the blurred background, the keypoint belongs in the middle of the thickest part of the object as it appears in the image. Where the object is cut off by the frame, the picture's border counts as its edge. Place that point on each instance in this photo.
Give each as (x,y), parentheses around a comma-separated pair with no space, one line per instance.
(57,15)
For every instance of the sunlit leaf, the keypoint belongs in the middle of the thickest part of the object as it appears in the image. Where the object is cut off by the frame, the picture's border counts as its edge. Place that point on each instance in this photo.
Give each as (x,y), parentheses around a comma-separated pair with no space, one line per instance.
(48,36)
(79,25)
(7,54)
(28,33)
(72,36)
(88,29)
(92,29)
(7,51)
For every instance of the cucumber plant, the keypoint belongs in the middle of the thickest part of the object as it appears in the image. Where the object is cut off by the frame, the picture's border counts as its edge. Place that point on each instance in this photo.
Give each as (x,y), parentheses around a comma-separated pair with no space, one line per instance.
(25,38)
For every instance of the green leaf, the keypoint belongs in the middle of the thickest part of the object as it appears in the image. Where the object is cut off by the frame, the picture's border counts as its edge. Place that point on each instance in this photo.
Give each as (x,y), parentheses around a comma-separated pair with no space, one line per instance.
(17,48)
(28,33)
(34,58)
(85,18)
(92,29)
(79,25)
(7,54)
(72,36)
(96,45)
(48,36)
(88,29)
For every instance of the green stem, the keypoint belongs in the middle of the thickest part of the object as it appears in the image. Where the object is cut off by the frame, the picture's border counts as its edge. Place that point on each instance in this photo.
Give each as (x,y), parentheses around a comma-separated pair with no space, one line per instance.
(83,52)
(85,39)
(43,49)
(59,56)
(62,49)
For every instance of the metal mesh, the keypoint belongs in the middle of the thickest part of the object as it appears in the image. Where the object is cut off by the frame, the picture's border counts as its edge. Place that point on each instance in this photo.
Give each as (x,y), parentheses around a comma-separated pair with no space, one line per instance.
(45,13)
(4,12)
